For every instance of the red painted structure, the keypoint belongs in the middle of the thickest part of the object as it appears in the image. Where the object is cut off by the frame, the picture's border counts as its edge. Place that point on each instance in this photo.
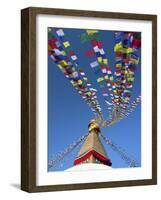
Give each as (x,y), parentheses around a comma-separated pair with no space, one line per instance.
(96,155)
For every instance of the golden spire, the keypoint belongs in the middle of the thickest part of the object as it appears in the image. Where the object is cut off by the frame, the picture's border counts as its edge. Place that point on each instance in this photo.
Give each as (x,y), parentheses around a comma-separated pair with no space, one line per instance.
(92,151)
(93,125)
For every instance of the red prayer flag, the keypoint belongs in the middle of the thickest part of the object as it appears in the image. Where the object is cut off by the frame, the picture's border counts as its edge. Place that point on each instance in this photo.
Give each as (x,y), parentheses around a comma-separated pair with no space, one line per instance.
(99,44)
(52,43)
(89,53)
(136,43)
(94,42)
(129,86)
(119,54)
(72,53)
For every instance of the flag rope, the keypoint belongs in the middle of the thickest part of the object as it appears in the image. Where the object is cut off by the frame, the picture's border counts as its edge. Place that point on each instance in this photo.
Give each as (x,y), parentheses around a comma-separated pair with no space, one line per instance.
(129,160)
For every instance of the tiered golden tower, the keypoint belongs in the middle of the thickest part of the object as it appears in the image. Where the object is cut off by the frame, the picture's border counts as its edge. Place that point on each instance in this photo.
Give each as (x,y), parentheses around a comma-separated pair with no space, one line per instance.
(92,150)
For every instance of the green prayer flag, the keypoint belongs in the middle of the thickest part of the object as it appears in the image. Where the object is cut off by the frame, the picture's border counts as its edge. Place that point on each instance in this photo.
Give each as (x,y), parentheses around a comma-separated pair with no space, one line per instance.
(84,37)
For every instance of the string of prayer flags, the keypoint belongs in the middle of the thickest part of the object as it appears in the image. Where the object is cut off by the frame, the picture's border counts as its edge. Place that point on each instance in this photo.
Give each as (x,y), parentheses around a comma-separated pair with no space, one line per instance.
(125,62)
(122,49)
(65,58)
(116,84)
(101,59)
(132,106)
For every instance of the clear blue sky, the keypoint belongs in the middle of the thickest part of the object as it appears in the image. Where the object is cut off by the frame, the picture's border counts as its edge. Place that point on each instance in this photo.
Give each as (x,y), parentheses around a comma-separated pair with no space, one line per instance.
(68,114)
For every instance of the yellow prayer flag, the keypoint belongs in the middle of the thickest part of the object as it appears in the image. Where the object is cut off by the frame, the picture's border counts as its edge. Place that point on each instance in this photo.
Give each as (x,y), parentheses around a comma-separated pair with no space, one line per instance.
(66,44)
(100,79)
(89,93)
(118,47)
(118,65)
(63,53)
(49,47)
(99,60)
(130,79)
(80,82)
(111,78)
(105,61)
(91,32)
(134,61)
(106,77)
(63,63)
(130,50)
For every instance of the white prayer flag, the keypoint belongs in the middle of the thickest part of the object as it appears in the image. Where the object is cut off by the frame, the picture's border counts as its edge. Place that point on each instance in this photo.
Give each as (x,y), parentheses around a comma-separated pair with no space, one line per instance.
(60,32)
(94,64)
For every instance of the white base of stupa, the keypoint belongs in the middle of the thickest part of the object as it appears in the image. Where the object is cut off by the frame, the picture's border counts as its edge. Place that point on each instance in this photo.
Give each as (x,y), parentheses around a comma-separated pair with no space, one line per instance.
(88,166)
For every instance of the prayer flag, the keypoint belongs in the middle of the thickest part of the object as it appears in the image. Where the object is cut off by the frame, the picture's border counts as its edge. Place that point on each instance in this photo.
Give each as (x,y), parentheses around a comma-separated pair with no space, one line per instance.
(108,103)
(60,32)
(118,72)
(111,78)
(102,52)
(99,59)
(100,79)
(106,77)
(99,44)
(75,74)
(89,53)
(91,32)
(94,64)
(74,57)
(80,82)
(92,89)
(82,73)
(129,86)
(63,63)
(66,44)
(105,61)
(109,71)
(96,49)
(103,69)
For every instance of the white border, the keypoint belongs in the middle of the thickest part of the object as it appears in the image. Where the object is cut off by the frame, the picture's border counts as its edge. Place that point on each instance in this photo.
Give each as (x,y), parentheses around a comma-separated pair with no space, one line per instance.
(53,178)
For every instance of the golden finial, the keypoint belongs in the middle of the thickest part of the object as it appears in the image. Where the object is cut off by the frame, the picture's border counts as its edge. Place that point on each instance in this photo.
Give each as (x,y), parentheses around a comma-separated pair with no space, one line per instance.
(94,125)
